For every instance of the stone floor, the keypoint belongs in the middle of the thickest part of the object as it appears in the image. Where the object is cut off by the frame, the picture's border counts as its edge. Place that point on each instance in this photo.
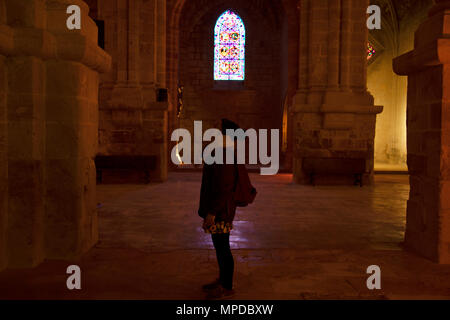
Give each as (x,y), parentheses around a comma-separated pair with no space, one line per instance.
(294,242)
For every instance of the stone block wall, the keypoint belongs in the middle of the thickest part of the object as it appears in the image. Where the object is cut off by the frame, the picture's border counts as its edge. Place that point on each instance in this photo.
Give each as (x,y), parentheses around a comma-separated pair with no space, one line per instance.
(48,131)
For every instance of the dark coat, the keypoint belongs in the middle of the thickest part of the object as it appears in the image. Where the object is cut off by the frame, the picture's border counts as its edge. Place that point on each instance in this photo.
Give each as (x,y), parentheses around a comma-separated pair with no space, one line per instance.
(217,192)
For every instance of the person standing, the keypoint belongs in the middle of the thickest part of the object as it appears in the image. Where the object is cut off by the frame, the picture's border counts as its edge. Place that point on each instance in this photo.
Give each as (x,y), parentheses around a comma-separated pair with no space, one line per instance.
(217,207)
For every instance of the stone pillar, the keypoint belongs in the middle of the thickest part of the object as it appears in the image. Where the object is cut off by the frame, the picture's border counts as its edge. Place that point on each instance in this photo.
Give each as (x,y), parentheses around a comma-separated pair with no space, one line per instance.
(133,41)
(132,121)
(127,92)
(160,31)
(49,76)
(71,133)
(155,113)
(428,71)
(334,115)
(6,45)
(26,131)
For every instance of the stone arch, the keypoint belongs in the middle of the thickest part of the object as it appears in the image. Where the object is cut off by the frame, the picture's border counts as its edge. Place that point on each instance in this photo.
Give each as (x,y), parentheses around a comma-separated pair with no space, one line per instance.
(263,64)
(274,15)
(174,12)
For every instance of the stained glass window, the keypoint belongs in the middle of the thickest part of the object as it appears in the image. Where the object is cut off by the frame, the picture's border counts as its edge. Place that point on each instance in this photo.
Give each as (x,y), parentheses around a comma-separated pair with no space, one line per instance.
(229,47)
(370,51)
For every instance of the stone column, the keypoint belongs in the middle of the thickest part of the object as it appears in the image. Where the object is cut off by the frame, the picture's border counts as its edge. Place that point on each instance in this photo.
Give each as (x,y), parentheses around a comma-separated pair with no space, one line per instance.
(155,112)
(160,31)
(121,39)
(6,45)
(334,115)
(334,43)
(25,67)
(49,84)
(127,92)
(121,98)
(71,133)
(132,121)
(428,71)
(133,41)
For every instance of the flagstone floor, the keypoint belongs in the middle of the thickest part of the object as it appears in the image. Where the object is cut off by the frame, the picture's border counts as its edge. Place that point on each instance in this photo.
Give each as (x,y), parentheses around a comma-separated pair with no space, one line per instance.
(294,242)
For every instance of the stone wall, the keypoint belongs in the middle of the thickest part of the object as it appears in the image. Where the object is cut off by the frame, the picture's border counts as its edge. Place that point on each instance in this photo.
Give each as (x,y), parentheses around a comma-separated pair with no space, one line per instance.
(428,70)
(48,131)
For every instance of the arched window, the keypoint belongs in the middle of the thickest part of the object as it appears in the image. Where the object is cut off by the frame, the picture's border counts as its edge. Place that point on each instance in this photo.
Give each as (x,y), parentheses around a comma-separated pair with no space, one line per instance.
(229,47)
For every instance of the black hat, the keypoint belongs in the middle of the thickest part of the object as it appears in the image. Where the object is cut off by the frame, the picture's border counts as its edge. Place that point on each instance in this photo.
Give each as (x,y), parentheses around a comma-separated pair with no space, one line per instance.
(228,124)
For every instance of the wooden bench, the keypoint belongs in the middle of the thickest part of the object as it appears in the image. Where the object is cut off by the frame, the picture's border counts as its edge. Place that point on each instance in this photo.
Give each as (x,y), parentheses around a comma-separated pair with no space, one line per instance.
(335,166)
(139,163)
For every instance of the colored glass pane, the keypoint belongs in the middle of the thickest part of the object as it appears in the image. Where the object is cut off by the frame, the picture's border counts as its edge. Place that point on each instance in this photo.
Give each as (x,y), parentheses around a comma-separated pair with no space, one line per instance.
(229,47)
(370,51)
